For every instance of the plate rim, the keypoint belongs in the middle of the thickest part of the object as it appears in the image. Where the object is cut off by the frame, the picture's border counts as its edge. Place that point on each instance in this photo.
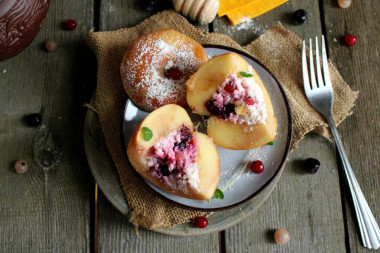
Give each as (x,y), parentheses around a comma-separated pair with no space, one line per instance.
(283,160)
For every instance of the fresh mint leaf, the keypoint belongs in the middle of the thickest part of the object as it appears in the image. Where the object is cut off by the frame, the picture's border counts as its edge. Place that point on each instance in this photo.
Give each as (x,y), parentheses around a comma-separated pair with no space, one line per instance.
(270,143)
(244,74)
(219,194)
(148,134)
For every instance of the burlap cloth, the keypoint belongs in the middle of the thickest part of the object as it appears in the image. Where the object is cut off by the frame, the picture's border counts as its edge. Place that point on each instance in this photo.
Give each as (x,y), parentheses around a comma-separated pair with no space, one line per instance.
(278,49)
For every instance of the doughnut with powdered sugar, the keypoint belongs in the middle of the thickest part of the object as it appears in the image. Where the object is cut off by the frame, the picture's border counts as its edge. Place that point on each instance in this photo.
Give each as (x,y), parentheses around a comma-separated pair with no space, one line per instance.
(156,67)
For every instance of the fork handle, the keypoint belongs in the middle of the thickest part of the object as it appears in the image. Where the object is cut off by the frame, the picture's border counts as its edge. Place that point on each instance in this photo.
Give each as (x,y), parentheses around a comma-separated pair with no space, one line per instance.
(369,229)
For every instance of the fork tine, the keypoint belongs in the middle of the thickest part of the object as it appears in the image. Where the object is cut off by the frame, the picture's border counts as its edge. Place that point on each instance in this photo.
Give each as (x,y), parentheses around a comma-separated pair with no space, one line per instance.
(318,65)
(312,75)
(326,72)
(305,75)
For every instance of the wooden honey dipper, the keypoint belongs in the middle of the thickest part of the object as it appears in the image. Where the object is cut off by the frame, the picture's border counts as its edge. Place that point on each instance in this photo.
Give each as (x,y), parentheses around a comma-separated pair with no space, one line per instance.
(203,11)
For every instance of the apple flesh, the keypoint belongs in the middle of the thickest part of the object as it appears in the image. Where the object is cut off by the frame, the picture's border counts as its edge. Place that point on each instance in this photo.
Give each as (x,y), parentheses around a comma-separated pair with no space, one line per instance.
(205,82)
(161,122)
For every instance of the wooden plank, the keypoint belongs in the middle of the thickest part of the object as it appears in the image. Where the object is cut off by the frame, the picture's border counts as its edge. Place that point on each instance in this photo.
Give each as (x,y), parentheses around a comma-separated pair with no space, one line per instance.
(114,232)
(308,206)
(359,67)
(46,210)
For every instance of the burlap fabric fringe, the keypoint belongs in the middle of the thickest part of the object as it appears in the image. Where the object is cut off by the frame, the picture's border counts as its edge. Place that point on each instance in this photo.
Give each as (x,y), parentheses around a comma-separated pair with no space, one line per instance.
(279,49)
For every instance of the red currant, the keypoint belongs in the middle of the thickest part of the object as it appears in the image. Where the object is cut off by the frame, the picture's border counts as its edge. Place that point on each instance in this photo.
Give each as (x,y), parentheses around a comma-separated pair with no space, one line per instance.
(249,101)
(201,222)
(71,24)
(350,39)
(230,87)
(257,167)
(174,73)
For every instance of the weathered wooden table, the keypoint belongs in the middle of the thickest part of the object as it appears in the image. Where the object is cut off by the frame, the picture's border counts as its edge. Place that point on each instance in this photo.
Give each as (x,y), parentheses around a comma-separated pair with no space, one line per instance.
(54,210)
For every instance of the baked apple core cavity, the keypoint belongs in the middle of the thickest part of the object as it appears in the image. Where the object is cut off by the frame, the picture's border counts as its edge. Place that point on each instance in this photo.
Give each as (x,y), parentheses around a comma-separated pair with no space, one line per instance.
(239,99)
(173,160)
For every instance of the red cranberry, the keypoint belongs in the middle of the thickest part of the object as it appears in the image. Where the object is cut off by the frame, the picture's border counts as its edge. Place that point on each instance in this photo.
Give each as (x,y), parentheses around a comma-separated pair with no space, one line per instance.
(230,87)
(71,24)
(350,39)
(51,45)
(257,167)
(174,73)
(201,222)
(249,101)
(21,166)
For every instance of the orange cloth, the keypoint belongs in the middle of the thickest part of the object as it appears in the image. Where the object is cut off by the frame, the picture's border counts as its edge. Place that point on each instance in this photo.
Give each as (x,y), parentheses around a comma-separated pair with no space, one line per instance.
(239,11)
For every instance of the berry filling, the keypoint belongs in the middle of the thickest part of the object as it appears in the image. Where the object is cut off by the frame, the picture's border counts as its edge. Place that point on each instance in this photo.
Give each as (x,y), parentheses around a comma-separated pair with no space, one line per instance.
(174,73)
(238,99)
(173,160)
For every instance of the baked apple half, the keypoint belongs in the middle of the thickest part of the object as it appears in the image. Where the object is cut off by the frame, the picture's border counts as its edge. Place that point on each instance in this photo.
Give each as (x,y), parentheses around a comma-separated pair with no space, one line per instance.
(167,152)
(229,90)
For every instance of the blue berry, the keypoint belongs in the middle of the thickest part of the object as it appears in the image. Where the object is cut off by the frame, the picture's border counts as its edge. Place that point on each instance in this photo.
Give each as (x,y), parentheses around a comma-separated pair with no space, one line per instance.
(300,17)
(312,165)
(33,119)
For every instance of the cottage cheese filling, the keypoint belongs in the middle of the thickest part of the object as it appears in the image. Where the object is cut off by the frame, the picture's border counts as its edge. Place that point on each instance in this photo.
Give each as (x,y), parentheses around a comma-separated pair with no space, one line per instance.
(240,100)
(173,160)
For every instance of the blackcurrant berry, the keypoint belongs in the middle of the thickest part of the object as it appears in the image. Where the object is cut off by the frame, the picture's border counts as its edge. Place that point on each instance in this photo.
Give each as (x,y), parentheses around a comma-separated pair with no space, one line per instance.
(300,17)
(33,119)
(312,165)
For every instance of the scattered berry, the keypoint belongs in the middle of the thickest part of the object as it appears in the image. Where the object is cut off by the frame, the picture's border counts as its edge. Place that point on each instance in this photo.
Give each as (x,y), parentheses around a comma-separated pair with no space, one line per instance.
(21,166)
(201,222)
(249,101)
(230,87)
(350,39)
(312,165)
(281,236)
(174,73)
(257,166)
(344,3)
(33,119)
(51,45)
(300,17)
(150,5)
(71,24)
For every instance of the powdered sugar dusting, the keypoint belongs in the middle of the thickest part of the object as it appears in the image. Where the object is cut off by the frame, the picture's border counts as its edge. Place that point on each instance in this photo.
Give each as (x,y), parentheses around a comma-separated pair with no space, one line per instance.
(143,71)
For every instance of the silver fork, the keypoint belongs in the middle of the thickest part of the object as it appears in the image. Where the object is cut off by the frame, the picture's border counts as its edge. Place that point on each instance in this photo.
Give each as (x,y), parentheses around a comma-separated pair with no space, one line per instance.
(319,92)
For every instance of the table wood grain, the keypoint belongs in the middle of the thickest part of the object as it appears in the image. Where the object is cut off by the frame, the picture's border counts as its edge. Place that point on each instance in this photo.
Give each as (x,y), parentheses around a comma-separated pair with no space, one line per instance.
(54,209)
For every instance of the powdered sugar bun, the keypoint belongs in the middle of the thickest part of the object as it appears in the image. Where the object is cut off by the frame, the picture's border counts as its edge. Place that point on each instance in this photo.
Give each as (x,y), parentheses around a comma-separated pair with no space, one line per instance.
(146,65)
